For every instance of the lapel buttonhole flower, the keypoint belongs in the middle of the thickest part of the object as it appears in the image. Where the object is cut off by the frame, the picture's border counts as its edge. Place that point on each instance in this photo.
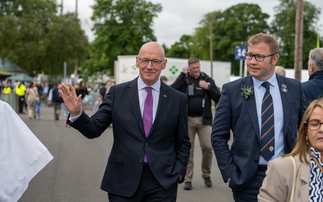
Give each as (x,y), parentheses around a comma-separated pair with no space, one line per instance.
(246,92)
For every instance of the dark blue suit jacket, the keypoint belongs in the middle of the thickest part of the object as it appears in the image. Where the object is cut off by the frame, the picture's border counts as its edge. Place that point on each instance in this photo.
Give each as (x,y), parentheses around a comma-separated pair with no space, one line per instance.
(167,145)
(238,114)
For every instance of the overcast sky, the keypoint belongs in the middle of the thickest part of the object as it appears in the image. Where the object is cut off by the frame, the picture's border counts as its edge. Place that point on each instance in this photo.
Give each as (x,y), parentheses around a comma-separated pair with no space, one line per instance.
(178,17)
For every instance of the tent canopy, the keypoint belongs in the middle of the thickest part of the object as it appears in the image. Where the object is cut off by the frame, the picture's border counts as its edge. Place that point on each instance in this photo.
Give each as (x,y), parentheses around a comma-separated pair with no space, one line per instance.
(20,77)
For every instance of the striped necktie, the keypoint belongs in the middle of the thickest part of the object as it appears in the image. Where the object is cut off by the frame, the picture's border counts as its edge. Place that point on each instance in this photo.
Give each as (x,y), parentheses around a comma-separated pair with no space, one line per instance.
(267,125)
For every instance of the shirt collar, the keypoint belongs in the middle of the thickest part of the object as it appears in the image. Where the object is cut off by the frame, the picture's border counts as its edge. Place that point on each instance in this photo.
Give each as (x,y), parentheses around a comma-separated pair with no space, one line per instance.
(142,85)
(272,80)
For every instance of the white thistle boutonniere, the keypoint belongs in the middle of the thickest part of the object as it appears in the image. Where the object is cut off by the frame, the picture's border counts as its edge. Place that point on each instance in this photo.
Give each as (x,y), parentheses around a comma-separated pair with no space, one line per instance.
(246,92)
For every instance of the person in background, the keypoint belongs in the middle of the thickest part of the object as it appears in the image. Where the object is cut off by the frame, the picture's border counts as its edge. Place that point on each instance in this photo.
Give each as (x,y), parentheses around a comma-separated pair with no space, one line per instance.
(55,99)
(102,89)
(164,79)
(32,97)
(308,157)
(6,91)
(7,88)
(111,83)
(45,93)
(313,88)
(21,91)
(39,87)
(82,90)
(97,103)
(200,89)
(280,71)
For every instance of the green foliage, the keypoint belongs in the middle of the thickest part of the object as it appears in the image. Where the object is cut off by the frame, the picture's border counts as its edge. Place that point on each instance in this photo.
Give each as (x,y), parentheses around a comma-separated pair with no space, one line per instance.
(121,28)
(35,38)
(230,28)
(283,27)
(180,49)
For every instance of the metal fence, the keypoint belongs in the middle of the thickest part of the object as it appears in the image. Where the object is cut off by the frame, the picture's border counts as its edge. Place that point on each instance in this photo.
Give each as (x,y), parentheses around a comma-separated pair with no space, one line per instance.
(11,99)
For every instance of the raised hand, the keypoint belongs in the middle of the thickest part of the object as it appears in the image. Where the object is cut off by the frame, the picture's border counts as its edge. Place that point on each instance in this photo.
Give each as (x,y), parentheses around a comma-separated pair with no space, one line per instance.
(72,102)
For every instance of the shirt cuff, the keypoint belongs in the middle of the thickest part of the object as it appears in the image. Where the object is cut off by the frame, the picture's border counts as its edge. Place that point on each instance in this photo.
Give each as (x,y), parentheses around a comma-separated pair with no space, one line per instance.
(72,119)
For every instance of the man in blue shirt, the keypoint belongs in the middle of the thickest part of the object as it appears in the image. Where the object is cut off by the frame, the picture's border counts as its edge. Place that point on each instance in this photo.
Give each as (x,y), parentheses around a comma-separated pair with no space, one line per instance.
(242,110)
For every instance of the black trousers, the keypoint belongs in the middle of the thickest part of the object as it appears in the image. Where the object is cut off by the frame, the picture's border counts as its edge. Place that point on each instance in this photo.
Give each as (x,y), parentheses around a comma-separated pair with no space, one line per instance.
(21,104)
(251,192)
(149,190)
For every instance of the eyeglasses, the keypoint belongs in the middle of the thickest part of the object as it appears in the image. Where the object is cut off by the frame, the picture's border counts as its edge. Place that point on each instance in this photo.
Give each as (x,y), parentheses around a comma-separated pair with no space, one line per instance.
(314,124)
(258,57)
(155,62)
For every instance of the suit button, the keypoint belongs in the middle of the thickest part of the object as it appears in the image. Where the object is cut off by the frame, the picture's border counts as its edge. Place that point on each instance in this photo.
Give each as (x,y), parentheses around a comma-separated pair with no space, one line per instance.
(141,160)
(146,143)
(256,160)
(258,144)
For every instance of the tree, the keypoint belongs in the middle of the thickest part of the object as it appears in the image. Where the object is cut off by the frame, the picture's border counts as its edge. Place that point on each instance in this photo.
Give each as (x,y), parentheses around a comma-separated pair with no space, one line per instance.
(283,27)
(121,28)
(230,28)
(64,39)
(180,49)
(35,38)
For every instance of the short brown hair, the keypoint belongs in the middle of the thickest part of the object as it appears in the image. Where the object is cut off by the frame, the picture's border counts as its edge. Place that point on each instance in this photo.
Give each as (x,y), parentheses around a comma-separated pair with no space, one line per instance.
(303,145)
(193,60)
(266,38)
(163,78)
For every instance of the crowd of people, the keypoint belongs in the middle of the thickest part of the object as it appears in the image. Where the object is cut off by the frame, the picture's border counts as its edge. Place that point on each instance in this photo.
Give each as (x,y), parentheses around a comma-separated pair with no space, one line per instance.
(275,123)
(31,95)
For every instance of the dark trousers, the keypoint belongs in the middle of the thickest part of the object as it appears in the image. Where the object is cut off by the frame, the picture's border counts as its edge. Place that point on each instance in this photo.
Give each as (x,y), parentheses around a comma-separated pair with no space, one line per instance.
(251,192)
(21,104)
(149,190)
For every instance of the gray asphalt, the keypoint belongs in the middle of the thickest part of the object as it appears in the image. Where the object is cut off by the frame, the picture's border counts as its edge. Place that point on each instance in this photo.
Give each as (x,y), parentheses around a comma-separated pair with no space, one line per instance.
(75,173)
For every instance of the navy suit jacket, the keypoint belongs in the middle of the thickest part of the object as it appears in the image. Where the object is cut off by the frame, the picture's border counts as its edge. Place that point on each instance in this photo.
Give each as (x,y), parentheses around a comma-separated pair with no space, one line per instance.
(238,114)
(167,145)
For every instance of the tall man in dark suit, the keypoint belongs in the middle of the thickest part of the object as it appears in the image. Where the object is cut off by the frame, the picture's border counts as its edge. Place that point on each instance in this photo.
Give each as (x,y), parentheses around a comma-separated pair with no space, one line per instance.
(151,144)
(263,110)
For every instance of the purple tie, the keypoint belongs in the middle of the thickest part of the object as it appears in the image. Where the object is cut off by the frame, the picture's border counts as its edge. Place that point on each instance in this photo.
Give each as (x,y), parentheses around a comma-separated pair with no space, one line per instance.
(148,113)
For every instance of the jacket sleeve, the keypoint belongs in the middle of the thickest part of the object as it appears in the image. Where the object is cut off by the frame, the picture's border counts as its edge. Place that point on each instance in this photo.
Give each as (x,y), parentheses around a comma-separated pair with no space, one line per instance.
(278,181)
(303,105)
(94,126)
(179,82)
(221,135)
(213,91)
(182,142)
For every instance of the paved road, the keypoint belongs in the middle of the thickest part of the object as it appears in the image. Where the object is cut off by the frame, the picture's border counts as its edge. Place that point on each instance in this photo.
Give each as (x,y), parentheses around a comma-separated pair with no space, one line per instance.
(75,173)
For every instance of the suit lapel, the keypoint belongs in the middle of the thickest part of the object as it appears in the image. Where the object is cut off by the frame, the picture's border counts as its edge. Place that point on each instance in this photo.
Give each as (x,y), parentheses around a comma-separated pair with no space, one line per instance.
(133,97)
(285,101)
(251,105)
(162,103)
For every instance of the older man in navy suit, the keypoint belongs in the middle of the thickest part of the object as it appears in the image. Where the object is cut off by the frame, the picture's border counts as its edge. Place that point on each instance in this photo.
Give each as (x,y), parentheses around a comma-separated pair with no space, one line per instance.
(263,110)
(151,144)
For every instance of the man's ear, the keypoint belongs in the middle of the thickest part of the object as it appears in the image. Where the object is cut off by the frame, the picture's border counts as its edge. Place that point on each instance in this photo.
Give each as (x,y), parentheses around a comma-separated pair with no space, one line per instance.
(312,68)
(275,59)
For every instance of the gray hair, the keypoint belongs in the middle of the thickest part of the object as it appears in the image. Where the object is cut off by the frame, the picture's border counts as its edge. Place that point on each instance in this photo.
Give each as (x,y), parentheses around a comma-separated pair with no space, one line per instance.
(316,57)
(280,70)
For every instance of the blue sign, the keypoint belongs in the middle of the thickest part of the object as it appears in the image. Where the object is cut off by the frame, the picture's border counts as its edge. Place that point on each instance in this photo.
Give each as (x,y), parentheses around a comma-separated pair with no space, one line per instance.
(239,53)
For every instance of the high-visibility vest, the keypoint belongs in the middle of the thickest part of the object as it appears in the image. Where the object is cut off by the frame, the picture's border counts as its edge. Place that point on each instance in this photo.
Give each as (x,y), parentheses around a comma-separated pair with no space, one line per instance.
(20,91)
(7,90)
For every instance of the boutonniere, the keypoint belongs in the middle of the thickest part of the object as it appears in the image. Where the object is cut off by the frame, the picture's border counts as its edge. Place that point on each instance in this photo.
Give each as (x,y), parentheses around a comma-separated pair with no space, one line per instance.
(284,88)
(246,92)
